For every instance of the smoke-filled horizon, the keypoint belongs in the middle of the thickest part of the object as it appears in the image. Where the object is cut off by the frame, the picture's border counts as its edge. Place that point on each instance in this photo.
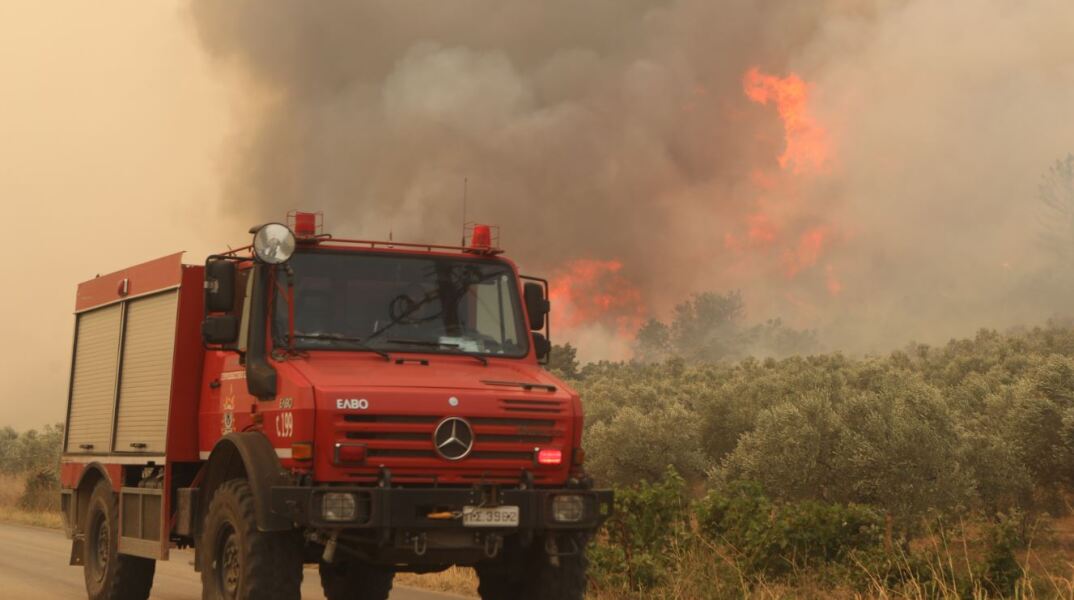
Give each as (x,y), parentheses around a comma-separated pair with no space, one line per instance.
(867,169)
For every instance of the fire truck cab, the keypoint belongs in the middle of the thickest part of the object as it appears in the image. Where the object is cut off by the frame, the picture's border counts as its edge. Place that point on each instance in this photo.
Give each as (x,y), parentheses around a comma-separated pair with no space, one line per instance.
(369,407)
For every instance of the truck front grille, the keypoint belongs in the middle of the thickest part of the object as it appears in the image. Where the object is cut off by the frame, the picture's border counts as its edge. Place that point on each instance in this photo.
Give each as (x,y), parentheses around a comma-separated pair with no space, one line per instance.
(502,443)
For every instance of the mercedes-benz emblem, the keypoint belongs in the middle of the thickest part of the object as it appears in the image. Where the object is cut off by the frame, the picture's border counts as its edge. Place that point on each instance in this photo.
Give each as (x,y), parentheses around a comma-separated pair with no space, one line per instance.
(453,438)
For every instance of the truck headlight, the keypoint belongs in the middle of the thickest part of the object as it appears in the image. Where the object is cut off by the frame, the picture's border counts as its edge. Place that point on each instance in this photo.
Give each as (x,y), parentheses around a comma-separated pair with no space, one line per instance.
(568,508)
(339,506)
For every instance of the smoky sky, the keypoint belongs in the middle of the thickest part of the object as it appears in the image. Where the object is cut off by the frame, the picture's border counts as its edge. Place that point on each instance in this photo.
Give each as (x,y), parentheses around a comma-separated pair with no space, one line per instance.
(620,130)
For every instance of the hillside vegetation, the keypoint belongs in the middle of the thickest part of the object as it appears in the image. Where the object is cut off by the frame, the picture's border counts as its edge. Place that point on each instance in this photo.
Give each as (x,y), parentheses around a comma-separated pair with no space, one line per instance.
(856,473)
(930,472)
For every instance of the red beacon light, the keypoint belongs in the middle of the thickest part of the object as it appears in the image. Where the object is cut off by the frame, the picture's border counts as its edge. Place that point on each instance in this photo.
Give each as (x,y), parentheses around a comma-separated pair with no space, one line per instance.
(306,224)
(482,237)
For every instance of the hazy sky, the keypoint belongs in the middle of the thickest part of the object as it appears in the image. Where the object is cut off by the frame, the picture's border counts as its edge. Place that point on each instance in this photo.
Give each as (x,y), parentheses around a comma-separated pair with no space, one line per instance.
(111,131)
(865,168)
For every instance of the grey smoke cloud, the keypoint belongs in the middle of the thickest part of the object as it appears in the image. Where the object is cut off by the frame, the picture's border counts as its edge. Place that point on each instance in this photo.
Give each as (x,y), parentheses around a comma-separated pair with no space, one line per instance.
(619,129)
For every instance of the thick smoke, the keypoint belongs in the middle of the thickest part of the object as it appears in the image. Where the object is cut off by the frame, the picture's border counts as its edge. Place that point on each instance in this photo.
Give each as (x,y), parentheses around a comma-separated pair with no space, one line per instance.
(622,131)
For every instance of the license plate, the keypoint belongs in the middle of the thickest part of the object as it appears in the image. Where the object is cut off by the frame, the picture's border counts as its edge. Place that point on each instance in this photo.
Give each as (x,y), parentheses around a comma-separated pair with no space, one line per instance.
(499,516)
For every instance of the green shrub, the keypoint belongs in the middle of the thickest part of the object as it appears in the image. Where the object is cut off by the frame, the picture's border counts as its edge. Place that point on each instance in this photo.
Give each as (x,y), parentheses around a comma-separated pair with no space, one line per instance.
(1001,568)
(891,443)
(638,445)
(776,539)
(648,518)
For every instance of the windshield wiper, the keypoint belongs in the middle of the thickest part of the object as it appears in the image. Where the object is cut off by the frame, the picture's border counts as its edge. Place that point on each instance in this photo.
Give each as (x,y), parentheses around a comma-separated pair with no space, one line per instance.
(339,337)
(429,344)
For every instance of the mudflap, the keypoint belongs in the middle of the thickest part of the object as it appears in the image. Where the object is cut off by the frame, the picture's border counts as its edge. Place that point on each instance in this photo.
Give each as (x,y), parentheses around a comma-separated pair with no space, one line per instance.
(76,551)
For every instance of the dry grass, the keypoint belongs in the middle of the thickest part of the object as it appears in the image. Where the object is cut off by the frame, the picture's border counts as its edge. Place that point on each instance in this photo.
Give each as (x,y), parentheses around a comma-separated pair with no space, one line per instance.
(36,519)
(712,573)
(11,488)
(456,580)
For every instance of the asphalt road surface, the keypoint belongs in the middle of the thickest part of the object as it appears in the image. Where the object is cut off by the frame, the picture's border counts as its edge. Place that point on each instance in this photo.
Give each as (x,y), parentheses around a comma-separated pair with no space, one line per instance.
(33,566)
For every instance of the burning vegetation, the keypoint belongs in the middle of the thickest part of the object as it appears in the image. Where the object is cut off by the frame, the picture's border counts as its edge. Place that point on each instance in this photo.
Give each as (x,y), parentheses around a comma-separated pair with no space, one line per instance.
(594,291)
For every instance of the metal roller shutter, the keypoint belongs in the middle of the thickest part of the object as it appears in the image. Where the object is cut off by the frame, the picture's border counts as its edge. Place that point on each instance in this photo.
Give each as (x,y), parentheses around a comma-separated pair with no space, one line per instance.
(146,374)
(93,383)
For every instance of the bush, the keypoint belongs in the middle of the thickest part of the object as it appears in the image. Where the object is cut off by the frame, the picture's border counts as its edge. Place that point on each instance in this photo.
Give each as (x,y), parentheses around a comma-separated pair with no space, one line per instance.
(563,361)
(34,455)
(892,444)
(648,518)
(30,450)
(639,445)
(42,492)
(1001,569)
(776,539)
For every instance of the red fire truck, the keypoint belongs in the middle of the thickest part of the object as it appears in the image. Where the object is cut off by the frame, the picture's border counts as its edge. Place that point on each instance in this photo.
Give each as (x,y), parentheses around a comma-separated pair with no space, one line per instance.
(369,407)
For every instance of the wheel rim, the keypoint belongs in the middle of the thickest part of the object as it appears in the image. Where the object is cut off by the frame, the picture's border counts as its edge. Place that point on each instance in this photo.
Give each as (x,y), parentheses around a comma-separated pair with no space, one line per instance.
(101,540)
(229,566)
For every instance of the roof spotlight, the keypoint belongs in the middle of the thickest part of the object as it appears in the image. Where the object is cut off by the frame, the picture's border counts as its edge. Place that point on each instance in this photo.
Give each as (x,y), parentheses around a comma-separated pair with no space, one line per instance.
(274,243)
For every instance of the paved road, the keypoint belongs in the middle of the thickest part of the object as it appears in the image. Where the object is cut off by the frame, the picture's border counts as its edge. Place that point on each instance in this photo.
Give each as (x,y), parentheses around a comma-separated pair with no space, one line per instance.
(33,566)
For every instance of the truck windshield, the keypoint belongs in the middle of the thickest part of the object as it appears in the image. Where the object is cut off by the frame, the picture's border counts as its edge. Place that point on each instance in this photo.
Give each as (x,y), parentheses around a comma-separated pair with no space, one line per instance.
(398,303)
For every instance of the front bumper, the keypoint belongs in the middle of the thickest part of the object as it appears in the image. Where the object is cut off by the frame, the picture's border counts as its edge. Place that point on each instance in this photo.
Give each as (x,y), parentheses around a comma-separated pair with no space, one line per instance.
(411,508)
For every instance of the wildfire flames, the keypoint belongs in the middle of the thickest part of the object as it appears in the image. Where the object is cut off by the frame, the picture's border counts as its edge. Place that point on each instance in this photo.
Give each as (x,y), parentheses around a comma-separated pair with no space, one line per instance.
(596,292)
(807,152)
(807,147)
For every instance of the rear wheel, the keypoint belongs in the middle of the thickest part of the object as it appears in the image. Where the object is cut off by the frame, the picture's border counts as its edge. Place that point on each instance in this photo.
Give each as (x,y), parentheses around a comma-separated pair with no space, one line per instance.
(531,574)
(356,581)
(109,574)
(239,562)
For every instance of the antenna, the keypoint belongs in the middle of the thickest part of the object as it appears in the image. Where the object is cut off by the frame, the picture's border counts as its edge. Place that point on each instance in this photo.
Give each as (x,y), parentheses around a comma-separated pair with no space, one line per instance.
(465,189)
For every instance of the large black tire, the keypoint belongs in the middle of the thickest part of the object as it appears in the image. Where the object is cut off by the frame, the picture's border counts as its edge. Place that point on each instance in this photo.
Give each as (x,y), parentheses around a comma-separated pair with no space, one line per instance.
(109,574)
(356,580)
(238,562)
(529,574)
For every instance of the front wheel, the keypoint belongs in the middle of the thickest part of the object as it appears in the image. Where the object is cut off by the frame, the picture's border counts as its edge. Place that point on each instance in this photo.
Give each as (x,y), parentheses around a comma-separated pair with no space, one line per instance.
(239,562)
(356,581)
(109,574)
(531,573)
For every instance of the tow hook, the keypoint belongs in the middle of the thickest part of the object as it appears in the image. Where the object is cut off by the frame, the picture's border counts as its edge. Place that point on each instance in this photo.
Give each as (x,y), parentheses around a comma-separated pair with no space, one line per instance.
(551,548)
(330,548)
(493,545)
(421,544)
(384,478)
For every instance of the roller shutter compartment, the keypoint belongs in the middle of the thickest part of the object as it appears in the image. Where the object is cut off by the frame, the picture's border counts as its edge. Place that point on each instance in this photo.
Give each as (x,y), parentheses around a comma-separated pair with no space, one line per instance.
(146,373)
(93,381)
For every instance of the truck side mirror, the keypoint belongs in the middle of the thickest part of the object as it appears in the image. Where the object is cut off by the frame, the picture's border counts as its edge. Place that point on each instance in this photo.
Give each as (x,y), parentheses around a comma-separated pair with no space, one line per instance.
(220,286)
(220,326)
(220,329)
(541,347)
(537,306)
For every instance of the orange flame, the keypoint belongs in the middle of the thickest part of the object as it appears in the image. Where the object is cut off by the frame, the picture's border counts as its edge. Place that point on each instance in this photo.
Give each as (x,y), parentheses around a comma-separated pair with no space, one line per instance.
(807,146)
(595,291)
(835,286)
(807,252)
